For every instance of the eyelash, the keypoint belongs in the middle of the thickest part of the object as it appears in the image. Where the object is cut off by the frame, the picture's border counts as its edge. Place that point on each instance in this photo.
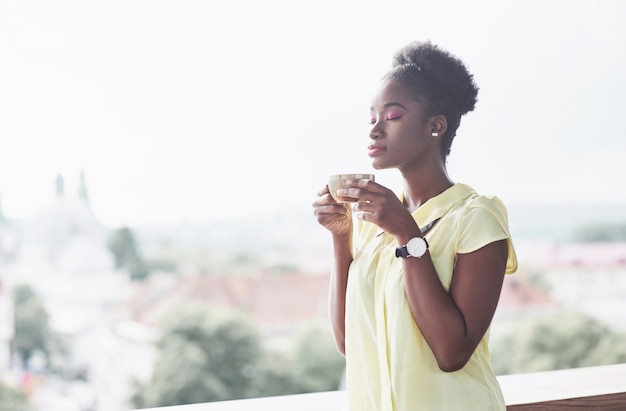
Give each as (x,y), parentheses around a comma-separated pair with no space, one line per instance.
(373,121)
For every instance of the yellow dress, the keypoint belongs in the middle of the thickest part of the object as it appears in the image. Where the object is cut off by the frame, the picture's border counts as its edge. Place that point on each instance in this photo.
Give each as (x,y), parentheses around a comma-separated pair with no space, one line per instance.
(389,365)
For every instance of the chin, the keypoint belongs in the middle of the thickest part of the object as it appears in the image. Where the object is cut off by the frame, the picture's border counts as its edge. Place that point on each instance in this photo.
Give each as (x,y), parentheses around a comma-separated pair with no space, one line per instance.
(378,166)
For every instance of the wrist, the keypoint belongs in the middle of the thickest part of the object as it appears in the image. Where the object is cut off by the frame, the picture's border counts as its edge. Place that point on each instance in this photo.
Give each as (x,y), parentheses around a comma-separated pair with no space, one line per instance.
(405,237)
(342,237)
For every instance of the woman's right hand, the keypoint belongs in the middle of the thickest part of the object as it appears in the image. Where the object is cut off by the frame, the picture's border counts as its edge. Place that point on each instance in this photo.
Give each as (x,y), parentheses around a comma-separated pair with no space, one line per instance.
(335,217)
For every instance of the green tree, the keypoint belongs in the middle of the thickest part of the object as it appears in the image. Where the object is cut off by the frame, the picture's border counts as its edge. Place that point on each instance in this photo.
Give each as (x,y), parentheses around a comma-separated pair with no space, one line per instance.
(205,357)
(13,398)
(600,233)
(569,340)
(202,358)
(313,365)
(275,375)
(319,364)
(124,247)
(32,332)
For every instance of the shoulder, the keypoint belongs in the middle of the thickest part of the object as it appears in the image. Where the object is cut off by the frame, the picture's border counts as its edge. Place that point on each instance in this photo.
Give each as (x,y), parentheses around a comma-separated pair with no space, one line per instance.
(480,214)
(485,220)
(485,208)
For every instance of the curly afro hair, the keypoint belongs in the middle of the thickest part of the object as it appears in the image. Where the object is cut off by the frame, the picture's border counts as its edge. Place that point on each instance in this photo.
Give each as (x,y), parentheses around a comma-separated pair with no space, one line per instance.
(439,78)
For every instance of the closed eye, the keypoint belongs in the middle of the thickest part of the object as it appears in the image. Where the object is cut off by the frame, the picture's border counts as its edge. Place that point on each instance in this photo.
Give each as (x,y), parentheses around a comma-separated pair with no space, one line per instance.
(393,116)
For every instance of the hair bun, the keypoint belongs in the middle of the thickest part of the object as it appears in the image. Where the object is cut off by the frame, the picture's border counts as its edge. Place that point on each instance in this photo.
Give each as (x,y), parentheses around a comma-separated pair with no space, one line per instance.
(448,71)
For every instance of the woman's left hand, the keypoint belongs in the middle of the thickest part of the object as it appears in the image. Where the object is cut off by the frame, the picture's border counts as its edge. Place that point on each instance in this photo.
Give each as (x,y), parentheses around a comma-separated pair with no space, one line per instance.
(379,205)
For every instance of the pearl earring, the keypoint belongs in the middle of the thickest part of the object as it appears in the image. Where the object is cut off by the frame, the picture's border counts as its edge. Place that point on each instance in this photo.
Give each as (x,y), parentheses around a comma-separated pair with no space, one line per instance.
(435,134)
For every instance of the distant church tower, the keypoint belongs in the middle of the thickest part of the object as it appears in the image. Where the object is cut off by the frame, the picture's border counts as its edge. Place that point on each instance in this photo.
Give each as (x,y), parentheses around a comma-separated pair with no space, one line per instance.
(7,236)
(2,216)
(82,190)
(60,186)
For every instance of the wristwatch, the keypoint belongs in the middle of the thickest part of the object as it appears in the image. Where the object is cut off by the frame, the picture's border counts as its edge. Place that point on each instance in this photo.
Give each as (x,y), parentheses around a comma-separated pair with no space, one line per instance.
(416,247)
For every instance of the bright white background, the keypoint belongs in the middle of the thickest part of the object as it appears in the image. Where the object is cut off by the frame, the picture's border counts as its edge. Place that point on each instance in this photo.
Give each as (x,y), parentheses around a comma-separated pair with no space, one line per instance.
(193,110)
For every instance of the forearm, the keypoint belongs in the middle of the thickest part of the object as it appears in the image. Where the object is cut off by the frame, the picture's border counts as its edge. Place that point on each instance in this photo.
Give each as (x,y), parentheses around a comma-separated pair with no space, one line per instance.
(342,250)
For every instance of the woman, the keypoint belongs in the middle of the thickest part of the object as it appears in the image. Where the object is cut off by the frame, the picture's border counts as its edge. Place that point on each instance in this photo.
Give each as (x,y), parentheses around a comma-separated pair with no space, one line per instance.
(413,294)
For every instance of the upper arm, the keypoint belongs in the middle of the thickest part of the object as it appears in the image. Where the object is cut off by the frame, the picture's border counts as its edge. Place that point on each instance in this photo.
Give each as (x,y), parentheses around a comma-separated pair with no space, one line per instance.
(476,286)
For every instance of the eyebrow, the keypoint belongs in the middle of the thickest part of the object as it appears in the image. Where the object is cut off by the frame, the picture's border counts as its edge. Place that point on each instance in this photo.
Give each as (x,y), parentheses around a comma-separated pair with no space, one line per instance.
(392,104)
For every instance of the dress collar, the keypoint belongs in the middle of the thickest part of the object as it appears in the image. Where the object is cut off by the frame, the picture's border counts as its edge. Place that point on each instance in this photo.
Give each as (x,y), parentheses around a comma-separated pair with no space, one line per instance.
(439,205)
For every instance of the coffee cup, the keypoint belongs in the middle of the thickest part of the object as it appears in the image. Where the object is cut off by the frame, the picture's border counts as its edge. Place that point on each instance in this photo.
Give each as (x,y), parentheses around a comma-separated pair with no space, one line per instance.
(338,181)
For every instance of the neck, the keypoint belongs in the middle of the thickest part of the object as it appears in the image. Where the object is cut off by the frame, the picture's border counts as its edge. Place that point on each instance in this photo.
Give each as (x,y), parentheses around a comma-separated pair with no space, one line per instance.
(420,188)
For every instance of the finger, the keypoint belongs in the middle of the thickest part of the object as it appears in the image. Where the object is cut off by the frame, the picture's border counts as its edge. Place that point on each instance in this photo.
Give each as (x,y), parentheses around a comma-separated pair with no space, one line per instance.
(364,215)
(337,209)
(324,190)
(353,194)
(324,199)
(363,207)
(330,218)
(347,199)
(368,185)
(363,190)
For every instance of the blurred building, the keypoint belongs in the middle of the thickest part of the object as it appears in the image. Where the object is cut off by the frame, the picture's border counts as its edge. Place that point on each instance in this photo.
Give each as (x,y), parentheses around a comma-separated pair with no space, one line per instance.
(7,249)
(587,277)
(278,303)
(6,328)
(62,255)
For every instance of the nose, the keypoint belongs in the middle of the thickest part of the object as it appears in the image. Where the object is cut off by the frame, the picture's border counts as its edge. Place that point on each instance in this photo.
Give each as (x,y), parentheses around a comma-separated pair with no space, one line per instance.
(375,131)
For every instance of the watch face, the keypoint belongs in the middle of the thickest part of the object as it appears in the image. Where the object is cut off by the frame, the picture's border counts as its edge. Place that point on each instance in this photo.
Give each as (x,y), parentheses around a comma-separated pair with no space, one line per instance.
(416,246)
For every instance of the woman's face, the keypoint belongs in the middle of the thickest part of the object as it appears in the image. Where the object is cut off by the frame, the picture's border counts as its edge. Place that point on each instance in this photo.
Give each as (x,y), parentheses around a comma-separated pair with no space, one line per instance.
(401,133)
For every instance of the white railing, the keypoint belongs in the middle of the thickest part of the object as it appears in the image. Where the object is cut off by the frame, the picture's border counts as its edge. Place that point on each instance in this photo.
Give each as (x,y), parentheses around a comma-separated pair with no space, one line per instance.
(591,388)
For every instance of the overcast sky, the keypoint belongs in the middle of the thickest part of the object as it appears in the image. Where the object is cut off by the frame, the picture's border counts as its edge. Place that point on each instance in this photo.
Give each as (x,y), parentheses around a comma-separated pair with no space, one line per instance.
(192,110)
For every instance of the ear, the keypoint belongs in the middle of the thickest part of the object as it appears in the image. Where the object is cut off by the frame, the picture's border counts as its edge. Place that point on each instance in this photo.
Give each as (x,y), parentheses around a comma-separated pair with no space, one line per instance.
(438,125)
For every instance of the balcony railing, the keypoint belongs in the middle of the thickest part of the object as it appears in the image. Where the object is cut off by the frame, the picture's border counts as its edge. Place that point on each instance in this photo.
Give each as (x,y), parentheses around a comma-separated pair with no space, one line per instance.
(592,388)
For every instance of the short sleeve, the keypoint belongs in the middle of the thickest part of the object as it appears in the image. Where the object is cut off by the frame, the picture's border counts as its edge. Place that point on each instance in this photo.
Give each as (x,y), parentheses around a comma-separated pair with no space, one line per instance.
(486,221)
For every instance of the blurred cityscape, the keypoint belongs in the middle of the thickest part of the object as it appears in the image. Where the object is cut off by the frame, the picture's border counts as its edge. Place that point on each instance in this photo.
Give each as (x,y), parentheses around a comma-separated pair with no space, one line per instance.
(108,314)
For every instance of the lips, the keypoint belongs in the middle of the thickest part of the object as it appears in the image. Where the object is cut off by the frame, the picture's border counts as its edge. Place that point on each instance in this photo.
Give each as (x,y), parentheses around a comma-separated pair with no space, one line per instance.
(373,150)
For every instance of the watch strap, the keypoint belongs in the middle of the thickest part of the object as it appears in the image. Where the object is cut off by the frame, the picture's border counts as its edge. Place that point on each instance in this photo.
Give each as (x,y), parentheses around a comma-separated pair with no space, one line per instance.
(402,251)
